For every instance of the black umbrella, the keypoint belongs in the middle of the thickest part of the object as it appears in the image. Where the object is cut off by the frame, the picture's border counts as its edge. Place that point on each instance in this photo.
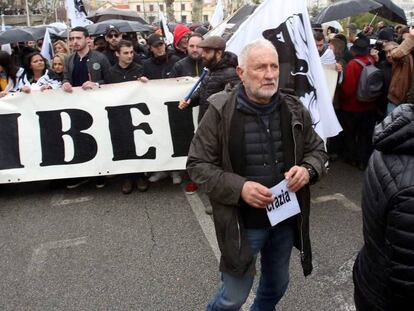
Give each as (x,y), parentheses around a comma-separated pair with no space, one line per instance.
(113,13)
(345,8)
(122,25)
(391,11)
(16,35)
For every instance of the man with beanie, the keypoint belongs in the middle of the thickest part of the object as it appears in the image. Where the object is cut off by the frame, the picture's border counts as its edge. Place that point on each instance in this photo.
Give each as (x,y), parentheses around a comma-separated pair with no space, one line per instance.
(251,138)
(181,33)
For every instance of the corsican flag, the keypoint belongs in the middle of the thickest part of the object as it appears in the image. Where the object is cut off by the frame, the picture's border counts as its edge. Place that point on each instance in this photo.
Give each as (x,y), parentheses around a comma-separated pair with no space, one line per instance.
(168,36)
(286,24)
(77,13)
(218,14)
(47,48)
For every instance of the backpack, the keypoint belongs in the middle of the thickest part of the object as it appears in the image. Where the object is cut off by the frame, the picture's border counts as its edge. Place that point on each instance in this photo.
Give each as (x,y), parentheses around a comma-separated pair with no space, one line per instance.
(371,82)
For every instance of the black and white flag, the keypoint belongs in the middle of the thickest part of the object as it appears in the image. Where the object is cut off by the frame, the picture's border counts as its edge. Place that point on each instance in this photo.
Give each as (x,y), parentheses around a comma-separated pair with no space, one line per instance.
(77,13)
(286,24)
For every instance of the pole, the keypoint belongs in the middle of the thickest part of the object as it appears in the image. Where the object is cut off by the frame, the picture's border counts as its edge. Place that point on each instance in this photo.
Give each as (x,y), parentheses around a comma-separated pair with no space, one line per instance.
(27,13)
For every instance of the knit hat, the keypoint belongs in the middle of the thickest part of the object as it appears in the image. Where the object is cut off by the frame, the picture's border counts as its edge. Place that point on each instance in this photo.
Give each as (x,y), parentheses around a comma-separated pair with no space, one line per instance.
(386,34)
(179,32)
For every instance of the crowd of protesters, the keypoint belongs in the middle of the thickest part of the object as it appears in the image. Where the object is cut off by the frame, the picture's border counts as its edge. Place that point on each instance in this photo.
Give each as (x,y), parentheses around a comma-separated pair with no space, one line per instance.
(116,57)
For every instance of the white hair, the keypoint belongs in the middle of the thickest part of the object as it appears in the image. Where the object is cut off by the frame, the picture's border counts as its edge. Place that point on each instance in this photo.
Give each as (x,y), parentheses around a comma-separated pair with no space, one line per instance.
(256,44)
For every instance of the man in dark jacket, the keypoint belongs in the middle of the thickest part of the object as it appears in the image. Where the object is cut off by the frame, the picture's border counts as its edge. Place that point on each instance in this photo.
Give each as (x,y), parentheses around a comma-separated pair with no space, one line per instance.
(222,71)
(127,70)
(384,269)
(160,64)
(192,64)
(250,139)
(85,67)
(112,37)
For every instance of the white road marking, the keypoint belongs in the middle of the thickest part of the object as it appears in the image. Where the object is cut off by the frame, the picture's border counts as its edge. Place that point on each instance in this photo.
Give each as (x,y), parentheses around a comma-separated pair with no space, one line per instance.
(340,198)
(207,225)
(40,254)
(59,200)
(205,221)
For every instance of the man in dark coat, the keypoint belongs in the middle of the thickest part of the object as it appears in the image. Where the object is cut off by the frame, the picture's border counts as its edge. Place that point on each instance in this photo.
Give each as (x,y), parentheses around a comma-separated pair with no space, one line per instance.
(222,71)
(384,269)
(127,70)
(192,64)
(250,139)
(112,37)
(160,64)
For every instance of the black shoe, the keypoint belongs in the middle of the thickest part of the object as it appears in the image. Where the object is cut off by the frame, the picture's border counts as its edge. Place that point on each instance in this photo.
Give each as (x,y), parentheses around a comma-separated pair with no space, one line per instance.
(142,184)
(127,186)
(100,182)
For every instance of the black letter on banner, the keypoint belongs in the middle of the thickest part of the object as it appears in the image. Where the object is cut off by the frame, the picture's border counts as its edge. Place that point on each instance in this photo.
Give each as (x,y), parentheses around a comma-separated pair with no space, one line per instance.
(182,128)
(53,147)
(9,142)
(122,132)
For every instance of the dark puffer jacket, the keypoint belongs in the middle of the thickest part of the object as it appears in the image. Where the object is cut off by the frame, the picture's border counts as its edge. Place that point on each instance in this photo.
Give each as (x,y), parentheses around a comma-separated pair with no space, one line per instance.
(219,76)
(384,269)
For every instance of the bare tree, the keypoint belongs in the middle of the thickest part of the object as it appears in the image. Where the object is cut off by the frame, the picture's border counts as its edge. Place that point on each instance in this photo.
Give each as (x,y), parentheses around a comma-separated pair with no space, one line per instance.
(169,5)
(197,12)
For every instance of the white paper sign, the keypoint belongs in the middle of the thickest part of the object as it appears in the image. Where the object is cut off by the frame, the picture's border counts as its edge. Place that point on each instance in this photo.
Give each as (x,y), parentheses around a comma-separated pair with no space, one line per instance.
(285,204)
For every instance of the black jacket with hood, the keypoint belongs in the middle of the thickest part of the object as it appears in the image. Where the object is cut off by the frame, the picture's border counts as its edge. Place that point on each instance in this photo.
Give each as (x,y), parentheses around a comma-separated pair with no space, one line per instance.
(384,268)
(223,73)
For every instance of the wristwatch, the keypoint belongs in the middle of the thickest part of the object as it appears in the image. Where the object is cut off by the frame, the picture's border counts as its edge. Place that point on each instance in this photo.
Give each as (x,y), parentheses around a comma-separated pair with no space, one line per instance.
(313,175)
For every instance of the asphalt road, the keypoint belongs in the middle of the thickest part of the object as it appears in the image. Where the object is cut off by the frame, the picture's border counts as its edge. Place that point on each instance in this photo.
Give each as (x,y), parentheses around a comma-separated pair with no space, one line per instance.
(89,249)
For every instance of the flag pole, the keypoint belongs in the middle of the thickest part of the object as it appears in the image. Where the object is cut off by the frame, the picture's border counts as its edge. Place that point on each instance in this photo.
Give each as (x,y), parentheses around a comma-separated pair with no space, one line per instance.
(27,13)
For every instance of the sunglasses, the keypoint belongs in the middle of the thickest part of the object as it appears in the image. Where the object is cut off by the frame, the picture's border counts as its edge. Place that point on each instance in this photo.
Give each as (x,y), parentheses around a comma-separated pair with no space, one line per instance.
(112,35)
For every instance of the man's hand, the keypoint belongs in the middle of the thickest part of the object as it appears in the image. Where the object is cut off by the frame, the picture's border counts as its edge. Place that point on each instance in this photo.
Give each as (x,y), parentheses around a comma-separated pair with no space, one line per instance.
(67,87)
(89,85)
(45,87)
(338,67)
(184,104)
(256,195)
(26,89)
(3,93)
(297,177)
(143,79)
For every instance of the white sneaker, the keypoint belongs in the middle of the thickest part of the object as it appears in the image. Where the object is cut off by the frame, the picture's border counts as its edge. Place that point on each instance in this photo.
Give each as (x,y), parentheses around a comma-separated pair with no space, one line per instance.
(157,176)
(176,178)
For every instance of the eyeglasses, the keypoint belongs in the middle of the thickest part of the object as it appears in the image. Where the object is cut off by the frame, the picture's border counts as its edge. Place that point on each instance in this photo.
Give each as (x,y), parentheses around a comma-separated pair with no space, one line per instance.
(112,35)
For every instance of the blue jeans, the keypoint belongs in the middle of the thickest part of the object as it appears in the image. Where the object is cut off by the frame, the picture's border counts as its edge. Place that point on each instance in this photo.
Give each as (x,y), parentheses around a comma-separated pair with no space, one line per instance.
(275,246)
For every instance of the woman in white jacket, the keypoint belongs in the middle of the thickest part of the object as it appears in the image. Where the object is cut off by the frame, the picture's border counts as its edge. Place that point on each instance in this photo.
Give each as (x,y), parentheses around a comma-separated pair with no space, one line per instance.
(37,76)
(10,75)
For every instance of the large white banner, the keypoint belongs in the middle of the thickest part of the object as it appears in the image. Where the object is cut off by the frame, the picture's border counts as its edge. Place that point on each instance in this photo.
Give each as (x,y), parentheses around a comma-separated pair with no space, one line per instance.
(114,129)
(286,24)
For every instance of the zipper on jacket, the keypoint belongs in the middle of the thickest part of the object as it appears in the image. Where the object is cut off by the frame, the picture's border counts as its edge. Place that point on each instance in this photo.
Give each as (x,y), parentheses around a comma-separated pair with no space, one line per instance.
(238,231)
(302,253)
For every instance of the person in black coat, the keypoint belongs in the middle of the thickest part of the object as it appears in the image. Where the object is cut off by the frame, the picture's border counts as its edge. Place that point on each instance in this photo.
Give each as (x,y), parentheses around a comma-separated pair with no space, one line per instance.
(192,64)
(383,272)
(222,71)
(160,64)
(127,70)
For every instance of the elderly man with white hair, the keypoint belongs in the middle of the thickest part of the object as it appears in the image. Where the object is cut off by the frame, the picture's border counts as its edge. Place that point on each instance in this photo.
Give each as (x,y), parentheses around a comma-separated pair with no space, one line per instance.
(251,138)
